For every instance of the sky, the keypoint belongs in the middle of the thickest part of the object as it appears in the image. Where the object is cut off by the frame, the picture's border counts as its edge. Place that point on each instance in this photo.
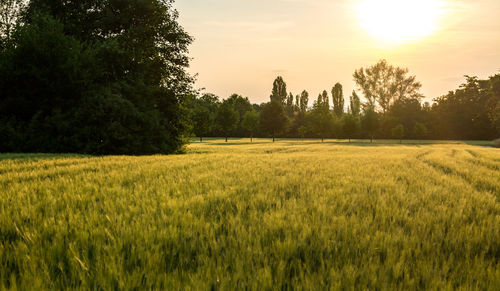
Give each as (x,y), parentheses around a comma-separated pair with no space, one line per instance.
(241,46)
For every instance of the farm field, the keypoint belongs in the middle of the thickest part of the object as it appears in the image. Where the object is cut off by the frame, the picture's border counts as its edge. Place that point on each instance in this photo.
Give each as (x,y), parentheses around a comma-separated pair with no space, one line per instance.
(262,216)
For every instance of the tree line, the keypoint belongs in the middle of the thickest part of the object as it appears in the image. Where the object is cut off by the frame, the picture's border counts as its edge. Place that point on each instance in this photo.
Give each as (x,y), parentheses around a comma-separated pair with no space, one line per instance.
(392,108)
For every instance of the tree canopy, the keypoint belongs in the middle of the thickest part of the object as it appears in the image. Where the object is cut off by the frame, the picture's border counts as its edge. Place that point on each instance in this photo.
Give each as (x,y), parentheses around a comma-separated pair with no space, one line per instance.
(382,84)
(101,77)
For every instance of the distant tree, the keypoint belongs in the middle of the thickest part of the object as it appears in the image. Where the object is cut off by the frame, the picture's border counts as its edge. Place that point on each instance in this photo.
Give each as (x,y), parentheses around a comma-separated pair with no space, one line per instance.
(290,108)
(350,126)
(338,100)
(370,122)
(279,93)
(321,120)
(383,84)
(355,104)
(406,112)
(322,123)
(302,131)
(202,122)
(304,101)
(398,132)
(420,131)
(323,101)
(467,112)
(241,105)
(250,122)
(227,118)
(273,118)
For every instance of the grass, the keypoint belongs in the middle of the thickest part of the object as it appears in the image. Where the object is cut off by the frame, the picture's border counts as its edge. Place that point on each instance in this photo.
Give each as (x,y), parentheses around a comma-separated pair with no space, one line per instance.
(289,215)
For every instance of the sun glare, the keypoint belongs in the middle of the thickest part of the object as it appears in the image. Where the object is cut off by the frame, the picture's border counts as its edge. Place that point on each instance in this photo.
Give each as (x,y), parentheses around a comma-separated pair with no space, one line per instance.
(400,21)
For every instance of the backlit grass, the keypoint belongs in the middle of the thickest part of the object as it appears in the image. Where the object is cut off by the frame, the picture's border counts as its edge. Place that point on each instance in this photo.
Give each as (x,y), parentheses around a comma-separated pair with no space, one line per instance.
(260,216)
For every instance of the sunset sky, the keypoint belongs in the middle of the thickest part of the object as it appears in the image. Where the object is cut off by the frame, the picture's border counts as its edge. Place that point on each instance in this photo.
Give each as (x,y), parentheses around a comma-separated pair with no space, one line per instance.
(241,46)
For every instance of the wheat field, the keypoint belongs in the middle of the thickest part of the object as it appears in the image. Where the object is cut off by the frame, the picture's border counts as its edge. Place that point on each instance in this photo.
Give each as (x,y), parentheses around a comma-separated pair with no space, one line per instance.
(259,216)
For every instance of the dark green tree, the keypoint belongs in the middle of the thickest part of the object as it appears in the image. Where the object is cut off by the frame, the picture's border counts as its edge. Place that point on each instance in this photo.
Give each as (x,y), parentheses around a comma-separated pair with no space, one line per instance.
(273,119)
(420,130)
(370,122)
(321,121)
(338,100)
(102,77)
(202,122)
(398,132)
(349,126)
(227,118)
(250,122)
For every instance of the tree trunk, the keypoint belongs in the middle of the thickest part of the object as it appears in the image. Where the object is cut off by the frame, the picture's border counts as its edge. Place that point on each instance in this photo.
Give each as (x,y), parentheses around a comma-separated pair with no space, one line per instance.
(273,136)
(349,140)
(201,139)
(322,139)
(226,138)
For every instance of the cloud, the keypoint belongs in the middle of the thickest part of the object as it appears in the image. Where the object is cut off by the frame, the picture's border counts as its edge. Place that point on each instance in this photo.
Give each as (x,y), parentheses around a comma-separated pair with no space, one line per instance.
(251,25)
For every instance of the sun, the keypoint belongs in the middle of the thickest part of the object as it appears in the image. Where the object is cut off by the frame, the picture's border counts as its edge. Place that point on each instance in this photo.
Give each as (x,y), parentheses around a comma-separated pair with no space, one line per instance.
(400,21)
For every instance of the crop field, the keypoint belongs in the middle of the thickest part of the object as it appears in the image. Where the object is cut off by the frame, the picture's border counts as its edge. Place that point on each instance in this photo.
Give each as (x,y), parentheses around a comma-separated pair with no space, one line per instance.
(260,216)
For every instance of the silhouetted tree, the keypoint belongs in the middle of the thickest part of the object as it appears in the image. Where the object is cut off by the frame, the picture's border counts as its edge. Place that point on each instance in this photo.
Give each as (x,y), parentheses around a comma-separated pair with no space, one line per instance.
(355,104)
(304,100)
(383,84)
(279,93)
(338,100)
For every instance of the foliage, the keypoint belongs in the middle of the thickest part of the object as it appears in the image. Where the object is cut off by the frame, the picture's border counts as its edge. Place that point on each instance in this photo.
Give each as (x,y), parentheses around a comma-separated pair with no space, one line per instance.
(262,216)
(101,77)
(355,108)
(370,123)
(338,100)
(420,131)
(398,132)
(227,118)
(273,119)
(383,84)
(250,122)
(279,93)
(350,126)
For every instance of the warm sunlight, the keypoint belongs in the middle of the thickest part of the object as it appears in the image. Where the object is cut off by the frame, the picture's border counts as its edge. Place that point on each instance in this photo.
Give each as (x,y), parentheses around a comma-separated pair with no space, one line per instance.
(400,21)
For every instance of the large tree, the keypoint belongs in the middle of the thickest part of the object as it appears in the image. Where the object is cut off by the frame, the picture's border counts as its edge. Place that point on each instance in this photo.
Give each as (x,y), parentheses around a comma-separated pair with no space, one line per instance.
(382,84)
(338,100)
(95,76)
